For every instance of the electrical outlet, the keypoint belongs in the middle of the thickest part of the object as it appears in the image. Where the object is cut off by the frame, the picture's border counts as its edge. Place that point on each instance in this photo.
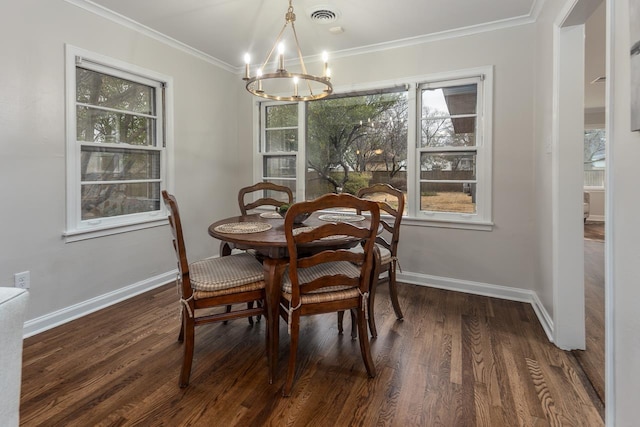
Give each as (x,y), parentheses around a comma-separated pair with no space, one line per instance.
(22,280)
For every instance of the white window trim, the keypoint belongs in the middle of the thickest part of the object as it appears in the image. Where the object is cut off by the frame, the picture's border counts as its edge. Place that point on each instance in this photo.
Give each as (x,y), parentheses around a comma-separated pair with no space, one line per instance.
(482,220)
(76,229)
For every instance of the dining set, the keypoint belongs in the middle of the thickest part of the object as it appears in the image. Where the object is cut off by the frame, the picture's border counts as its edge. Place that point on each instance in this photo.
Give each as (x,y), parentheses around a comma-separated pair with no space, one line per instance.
(281,259)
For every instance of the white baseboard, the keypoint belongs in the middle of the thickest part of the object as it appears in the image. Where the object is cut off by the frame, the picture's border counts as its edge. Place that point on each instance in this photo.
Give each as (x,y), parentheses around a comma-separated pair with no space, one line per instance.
(484,289)
(67,314)
(599,218)
(57,318)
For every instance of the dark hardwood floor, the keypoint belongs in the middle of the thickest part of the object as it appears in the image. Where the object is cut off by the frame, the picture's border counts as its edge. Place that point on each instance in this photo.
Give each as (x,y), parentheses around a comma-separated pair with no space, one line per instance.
(456,360)
(592,358)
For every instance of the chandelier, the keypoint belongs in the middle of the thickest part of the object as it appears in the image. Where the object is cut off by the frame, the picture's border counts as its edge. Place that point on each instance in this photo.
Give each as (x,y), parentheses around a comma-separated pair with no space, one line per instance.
(303,86)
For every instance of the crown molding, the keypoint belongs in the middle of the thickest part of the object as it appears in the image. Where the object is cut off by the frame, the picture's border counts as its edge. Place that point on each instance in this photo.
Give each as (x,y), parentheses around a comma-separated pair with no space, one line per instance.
(373,48)
(105,13)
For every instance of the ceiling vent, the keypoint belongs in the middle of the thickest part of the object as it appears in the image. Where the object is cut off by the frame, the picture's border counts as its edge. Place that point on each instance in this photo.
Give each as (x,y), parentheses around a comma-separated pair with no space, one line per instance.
(323,14)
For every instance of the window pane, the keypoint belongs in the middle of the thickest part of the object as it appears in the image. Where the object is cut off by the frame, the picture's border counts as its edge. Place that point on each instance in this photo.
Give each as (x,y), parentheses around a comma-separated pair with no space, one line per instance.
(112,164)
(281,140)
(448,132)
(354,142)
(594,157)
(106,126)
(282,116)
(107,200)
(279,166)
(103,90)
(448,197)
(450,101)
(441,124)
(278,195)
(459,165)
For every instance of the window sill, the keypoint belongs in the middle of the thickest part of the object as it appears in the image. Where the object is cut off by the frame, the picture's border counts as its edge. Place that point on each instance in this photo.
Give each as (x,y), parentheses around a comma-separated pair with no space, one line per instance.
(92,233)
(440,223)
(463,225)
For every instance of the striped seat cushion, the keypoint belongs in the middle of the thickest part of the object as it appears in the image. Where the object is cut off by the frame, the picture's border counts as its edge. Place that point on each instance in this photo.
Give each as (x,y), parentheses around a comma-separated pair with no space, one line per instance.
(315,297)
(234,290)
(385,254)
(306,275)
(215,274)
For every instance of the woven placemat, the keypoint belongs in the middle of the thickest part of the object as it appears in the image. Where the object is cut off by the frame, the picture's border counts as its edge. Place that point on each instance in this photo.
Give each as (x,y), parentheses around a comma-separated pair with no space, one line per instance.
(271,215)
(243,227)
(299,230)
(341,217)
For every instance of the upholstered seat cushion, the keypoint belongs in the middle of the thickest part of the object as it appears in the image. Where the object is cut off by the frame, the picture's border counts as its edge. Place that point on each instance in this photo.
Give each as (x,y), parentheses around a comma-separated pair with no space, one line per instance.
(215,274)
(385,254)
(306,275)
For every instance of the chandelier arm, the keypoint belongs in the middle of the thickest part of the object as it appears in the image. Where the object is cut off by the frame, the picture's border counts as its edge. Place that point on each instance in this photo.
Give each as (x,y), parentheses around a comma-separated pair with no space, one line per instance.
(284,27)
(302,66)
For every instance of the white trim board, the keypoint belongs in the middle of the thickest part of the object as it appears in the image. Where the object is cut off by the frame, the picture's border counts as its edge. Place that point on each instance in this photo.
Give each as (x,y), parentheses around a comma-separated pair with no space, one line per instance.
(484,289)
(60,317)
(67,314)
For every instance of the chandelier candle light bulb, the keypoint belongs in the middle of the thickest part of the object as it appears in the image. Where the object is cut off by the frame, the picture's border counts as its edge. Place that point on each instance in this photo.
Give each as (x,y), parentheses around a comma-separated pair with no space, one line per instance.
(281,57)
(325,59)
(247,61)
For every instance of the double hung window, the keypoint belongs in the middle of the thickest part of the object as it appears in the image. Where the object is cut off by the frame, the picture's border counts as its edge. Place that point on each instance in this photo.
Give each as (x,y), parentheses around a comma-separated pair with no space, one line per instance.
(429,138)
(117,151)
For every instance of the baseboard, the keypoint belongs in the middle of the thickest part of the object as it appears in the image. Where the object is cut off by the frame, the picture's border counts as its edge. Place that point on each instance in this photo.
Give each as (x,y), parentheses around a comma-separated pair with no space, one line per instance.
(484,289)
(57,318)
(67,314)
(598,218)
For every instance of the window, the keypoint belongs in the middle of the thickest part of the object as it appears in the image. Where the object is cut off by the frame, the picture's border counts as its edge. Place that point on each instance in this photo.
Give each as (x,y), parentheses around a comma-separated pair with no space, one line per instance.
(116,150)
(429,138)
(279,148)
(594,157)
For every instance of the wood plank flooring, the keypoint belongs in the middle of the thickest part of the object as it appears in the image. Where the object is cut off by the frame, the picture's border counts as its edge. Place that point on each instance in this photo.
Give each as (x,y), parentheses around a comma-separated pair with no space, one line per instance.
(456,360)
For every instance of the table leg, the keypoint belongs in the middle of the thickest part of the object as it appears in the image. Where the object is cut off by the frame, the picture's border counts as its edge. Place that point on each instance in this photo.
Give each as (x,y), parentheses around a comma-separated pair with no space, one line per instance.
(273,270)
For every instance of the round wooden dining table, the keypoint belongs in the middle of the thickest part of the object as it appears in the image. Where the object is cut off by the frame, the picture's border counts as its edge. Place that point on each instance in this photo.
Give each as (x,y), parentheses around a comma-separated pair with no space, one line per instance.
(272,245)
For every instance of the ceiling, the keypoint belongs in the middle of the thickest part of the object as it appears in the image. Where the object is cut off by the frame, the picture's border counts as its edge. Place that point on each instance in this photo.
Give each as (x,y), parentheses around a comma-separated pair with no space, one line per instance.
(224,30)
(227,29)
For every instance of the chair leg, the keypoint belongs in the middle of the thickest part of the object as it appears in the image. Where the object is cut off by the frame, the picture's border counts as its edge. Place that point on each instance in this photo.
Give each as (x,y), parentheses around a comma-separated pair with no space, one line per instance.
(364,344)
(187,360)
(250,306)
(393,291)
(340,319)
(228,311)
(373,284)
(293,350)
(181,333)
(354,324)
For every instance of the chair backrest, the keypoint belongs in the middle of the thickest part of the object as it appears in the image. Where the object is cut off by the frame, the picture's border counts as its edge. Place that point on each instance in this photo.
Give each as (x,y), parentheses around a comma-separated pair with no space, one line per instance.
(178,243)
(332,253)
(392,203)
(266,199)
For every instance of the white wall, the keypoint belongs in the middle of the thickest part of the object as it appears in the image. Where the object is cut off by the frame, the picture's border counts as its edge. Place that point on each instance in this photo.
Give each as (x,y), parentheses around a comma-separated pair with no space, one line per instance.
(32,156)
(623,233)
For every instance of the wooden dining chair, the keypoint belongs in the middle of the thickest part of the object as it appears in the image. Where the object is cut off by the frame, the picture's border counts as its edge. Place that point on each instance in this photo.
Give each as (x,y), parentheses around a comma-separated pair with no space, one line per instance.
(333,279)
(211,282)
(272,195)
(391,202)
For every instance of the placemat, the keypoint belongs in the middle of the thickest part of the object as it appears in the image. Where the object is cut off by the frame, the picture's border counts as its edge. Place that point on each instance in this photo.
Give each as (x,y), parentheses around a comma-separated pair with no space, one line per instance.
(270,215)
(243,227)
(299,230)
(341,217)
